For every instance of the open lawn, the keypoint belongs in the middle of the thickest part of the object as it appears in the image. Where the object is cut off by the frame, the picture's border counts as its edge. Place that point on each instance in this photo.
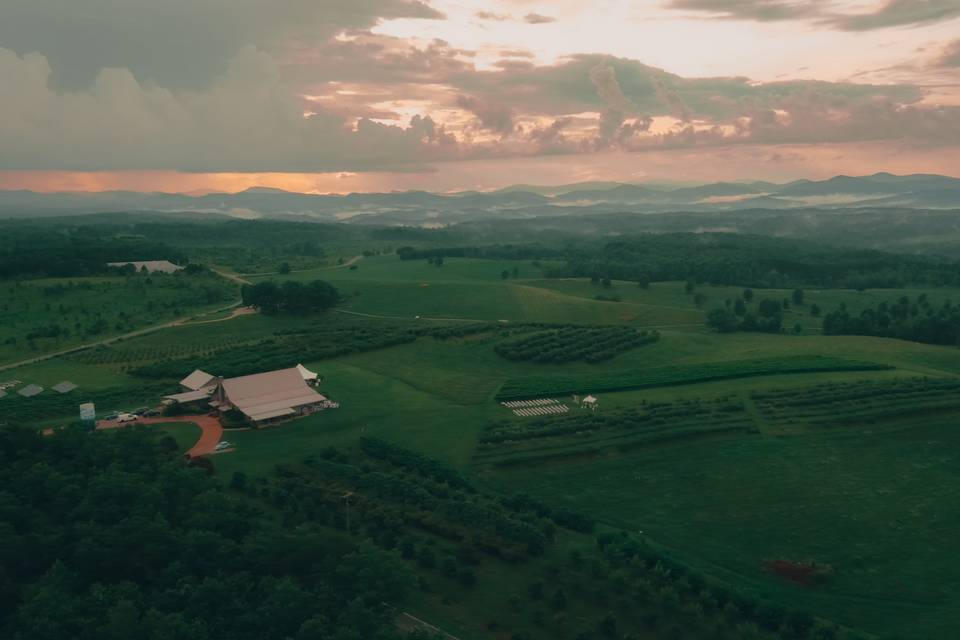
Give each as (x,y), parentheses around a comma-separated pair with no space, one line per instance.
(185,433)
(874,504)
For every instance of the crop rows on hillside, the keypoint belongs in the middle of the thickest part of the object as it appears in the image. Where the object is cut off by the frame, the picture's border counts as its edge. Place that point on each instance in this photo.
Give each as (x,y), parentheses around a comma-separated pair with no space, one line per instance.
(576,344)
(529,387)
(585,431)
(852,402)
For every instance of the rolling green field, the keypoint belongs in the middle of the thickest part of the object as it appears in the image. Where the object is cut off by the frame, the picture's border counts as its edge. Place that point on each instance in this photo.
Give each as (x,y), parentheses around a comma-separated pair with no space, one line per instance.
(44,315)
(781,447)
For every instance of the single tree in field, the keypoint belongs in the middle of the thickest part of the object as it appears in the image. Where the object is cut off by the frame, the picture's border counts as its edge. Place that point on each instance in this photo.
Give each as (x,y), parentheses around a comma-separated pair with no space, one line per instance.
(606,283)
(504,274)
(748,295)
(723,320)
(797,296)
(815,310)
(284,268)
(643,281)
(768,308)
(739,307)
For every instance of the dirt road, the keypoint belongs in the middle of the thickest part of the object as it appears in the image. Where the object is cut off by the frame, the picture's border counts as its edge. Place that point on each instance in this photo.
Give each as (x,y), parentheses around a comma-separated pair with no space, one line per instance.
(210,428)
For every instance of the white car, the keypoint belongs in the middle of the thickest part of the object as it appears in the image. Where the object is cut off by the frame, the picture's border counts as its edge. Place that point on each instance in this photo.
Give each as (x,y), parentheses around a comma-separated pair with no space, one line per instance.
(126,417)
(222,445)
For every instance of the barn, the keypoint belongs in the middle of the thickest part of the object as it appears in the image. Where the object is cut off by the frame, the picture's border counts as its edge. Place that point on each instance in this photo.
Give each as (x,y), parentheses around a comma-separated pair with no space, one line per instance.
(269,397)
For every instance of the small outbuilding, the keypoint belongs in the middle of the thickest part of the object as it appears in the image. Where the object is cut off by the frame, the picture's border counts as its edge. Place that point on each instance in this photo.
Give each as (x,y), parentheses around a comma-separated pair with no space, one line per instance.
(198,380)
(151,266)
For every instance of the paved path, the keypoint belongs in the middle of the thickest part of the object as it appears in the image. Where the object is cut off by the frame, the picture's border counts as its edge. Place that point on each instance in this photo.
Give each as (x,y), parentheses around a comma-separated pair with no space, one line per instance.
(210,427)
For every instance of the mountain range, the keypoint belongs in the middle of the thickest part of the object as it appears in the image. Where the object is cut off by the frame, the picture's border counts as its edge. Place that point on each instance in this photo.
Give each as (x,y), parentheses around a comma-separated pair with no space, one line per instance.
(922,191)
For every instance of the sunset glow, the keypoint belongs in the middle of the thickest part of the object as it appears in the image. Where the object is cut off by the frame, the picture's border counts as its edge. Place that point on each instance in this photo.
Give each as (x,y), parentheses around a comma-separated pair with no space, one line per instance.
(457,94)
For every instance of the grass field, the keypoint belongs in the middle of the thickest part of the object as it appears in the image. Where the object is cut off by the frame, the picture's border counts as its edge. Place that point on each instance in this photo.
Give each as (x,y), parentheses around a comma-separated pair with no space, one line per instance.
(871,503)
(820,463)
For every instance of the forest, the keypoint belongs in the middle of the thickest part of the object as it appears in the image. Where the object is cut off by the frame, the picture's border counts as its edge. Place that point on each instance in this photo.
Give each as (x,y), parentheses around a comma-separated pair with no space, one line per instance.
(114,536)
(43,252)
(754,261)
(914,319)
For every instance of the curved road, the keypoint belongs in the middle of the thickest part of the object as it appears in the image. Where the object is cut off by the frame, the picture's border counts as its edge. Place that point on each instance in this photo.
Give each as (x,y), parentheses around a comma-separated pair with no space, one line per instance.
(211,431)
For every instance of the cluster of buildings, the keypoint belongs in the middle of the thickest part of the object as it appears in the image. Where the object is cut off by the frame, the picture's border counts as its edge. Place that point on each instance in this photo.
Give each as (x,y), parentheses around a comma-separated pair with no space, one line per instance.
(262,398)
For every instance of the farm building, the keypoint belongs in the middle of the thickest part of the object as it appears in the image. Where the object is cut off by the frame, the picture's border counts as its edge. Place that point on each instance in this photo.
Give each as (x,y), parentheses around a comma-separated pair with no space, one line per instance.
(152,266)
(269,397)
(261,397)
(198,380)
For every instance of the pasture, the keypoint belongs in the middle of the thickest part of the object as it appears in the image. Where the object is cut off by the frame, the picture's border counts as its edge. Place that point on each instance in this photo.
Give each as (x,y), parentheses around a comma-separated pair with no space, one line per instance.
(872,503)
(728,450)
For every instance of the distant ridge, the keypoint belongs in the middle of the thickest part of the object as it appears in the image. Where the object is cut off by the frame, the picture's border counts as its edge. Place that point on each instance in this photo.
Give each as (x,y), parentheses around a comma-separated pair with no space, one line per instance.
(422,207)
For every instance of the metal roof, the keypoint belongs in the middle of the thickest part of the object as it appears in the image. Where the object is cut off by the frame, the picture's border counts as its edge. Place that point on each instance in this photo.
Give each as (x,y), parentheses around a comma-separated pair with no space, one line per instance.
(30,390)
(190,396)
(64,387)
(153,266)
(196,380)
(263,395)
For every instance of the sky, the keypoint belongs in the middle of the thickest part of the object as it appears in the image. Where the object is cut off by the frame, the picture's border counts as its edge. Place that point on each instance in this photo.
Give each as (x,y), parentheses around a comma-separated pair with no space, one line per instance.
(448,95)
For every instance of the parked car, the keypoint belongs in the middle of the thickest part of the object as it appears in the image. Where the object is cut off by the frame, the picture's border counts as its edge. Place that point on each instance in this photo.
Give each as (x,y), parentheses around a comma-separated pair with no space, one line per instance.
(150,413)
(111,416)
(126,417)
(140,411)
(222,445)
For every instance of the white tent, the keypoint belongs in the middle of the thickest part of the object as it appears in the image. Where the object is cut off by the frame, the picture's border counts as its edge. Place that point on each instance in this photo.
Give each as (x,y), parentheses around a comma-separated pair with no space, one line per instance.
(308,376)
(589,400)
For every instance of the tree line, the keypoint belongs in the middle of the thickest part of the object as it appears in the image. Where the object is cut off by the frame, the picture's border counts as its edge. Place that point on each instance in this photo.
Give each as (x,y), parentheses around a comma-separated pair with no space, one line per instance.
(756,261)
(29,251)
(915,319)
(290,296)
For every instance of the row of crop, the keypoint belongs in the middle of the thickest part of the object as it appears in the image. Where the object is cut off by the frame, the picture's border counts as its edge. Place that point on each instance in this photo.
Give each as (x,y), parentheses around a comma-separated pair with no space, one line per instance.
(520,388)
(280,352)
(618,441)
(662,414)
(576,344)
(455,515)
(819,394)
(413,461)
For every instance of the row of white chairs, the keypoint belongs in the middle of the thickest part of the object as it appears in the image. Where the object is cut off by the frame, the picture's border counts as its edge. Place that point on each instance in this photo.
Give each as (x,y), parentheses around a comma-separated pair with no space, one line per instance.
(542,411)
(539,402)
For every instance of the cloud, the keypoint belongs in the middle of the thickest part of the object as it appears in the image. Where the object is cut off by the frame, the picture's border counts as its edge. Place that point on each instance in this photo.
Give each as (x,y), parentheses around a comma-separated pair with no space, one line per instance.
(178,43)
(759,10)
(898,13)
(894,13)
(537,18)
(245,121)
(490,15)
(950,57)
(495,118)
(530,18)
